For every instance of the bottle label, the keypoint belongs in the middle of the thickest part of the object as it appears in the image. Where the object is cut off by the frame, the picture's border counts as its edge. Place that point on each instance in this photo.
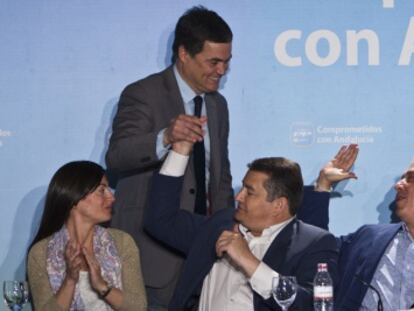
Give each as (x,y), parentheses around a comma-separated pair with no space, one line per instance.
(322,292)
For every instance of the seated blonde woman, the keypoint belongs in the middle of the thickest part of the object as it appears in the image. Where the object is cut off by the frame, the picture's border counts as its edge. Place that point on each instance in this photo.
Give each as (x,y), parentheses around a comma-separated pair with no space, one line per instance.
(73,262)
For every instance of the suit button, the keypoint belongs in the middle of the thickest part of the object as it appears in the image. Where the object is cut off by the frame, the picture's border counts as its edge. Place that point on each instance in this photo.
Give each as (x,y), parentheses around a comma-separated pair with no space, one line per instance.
(192,190)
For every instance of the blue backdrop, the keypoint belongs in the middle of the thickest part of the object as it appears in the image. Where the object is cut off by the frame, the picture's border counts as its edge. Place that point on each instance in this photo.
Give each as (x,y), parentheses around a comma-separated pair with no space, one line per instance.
(306,76)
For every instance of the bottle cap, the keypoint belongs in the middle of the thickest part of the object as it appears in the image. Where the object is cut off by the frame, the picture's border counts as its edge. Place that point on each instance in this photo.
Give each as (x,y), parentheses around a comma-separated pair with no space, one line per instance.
(322,266)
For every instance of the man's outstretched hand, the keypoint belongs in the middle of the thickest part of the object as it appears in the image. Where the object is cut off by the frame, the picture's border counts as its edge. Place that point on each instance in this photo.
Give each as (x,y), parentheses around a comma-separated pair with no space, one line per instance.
(338,168)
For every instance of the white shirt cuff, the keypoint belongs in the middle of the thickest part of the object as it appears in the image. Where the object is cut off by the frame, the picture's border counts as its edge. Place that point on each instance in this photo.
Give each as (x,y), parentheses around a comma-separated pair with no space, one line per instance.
(261,280)
(174,164)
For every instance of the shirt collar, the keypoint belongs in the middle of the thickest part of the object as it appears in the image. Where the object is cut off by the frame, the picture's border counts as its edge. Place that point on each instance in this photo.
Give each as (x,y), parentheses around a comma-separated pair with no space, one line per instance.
(186,91)
(268,233)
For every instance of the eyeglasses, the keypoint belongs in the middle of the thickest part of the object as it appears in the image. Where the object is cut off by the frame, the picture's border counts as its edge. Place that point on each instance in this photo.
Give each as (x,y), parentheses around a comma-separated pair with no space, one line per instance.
(104,191)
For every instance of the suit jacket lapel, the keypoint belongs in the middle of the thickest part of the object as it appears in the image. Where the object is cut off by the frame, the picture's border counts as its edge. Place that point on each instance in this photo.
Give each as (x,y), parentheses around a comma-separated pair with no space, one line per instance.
(278,251)
(379,245)
(175,101)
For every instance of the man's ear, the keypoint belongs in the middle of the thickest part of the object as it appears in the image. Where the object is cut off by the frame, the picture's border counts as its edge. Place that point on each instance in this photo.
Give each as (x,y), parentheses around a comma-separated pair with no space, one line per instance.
(183,55)
(280,204)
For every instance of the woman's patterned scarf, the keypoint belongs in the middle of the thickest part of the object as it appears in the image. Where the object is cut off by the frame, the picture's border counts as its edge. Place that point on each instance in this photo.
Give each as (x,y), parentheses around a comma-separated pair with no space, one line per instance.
(105,252)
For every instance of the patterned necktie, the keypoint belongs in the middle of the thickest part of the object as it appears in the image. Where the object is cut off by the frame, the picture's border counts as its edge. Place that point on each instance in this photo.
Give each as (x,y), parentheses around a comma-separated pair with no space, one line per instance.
(199,157)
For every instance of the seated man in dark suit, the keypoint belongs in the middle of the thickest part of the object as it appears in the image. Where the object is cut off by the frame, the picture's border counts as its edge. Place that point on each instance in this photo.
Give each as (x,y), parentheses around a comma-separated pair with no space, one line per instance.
(232,256)
(376,265)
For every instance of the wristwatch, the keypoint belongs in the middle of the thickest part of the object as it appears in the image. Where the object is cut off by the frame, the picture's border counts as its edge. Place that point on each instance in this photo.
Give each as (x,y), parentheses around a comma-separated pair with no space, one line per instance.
(103,293)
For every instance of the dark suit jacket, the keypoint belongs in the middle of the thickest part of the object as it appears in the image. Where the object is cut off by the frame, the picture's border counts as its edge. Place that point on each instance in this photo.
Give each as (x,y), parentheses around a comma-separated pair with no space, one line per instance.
(359,255)
(145,107)
(295,251)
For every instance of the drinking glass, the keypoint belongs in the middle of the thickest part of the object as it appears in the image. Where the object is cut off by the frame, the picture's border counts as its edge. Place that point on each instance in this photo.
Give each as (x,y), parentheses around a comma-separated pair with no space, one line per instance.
(284,290)
(15,294)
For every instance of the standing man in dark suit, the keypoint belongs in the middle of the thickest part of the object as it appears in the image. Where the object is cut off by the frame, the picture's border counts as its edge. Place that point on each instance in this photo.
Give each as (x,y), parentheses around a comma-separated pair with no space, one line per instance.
(376,265)
(157,111)
(232,256)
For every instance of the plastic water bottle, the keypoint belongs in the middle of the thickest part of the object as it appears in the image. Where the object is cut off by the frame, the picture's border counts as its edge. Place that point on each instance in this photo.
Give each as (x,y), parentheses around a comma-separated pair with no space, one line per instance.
(323,299)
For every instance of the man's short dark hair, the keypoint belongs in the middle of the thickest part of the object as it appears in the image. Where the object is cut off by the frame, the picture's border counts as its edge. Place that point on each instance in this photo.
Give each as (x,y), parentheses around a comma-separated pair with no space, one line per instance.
(285,180)
(197,25)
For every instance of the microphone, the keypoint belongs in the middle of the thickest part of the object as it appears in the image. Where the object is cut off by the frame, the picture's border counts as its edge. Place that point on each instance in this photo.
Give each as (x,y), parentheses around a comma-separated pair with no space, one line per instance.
(380,306)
